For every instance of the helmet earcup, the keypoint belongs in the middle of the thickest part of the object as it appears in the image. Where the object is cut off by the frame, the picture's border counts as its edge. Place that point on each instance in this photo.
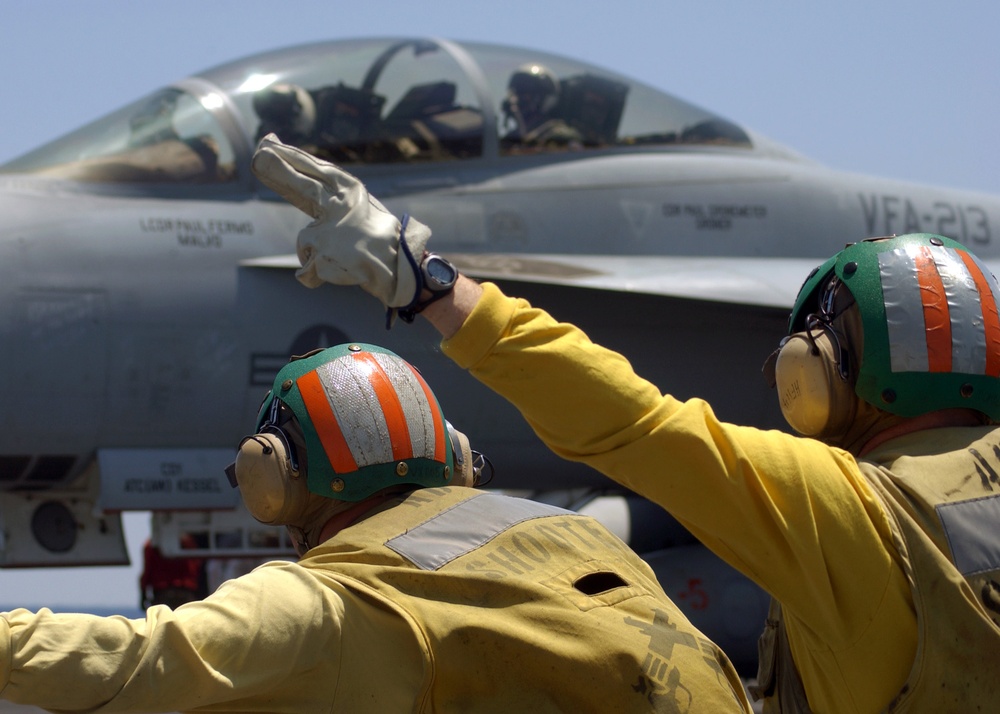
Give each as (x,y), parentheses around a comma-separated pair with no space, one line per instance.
(271,489)
(815,400)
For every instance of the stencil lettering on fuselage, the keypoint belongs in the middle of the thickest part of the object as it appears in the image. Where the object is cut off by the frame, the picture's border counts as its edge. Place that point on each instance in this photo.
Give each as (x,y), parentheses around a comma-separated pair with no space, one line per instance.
(887,215)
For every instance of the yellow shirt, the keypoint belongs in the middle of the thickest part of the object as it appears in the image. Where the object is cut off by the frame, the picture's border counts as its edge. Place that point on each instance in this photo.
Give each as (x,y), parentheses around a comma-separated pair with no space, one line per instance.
(274,640)
(791,513)
(451,600)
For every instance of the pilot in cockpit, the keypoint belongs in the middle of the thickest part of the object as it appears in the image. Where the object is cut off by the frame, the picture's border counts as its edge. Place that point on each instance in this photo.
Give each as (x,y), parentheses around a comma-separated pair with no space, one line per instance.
(156,150)
(288,111)
(154,123)
(528,109)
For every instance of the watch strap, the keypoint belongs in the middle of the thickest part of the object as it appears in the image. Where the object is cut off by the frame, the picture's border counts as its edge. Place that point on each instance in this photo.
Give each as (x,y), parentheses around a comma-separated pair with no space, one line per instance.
(409,313)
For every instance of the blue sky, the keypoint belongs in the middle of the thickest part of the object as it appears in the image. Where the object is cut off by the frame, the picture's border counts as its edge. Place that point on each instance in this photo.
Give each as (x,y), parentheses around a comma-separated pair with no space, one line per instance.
(901,89)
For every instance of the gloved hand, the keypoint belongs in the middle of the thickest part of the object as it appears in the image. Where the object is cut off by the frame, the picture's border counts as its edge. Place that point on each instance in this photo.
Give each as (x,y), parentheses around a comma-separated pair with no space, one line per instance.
(353,239)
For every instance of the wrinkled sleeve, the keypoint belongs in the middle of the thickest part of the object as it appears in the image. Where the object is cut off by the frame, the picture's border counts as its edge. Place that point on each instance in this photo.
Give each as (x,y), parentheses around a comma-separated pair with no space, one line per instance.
(257,637)
(790,513)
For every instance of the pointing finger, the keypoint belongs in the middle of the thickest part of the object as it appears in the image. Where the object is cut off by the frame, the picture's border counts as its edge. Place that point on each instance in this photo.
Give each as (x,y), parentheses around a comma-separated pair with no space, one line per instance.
(311,185)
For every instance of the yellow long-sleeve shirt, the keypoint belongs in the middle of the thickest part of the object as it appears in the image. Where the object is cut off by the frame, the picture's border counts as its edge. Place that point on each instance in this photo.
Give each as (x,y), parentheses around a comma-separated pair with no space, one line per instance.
(272,641)
(450,600)
(791,513)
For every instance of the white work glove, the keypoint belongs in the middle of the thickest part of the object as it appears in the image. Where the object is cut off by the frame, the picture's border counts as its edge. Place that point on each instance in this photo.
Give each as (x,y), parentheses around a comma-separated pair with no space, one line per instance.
(352,240)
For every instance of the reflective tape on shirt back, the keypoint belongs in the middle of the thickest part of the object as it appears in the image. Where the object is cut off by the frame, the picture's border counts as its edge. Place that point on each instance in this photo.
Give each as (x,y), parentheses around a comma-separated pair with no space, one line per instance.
(371,408)
(973,534)
(466,526)
(940,311)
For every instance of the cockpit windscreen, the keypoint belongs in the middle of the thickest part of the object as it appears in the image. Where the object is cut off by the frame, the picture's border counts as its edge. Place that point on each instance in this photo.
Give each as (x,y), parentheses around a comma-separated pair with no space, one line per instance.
(377,101)
(168,137)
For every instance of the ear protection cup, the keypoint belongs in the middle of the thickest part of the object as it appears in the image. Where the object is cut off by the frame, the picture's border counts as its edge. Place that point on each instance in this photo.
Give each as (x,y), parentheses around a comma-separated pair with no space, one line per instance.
(815,400)
(271,489)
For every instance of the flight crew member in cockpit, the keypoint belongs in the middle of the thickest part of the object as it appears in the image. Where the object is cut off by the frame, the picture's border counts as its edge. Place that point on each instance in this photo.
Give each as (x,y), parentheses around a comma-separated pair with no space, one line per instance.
(414,592)
(878,535)
(288,111)
(532,95)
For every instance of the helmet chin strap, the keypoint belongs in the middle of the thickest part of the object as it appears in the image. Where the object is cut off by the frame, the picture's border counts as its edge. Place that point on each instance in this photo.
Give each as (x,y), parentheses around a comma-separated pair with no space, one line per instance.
(299,540)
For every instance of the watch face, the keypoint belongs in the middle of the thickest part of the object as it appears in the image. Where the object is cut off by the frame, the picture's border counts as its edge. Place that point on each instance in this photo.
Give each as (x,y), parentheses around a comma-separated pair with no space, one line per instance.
(440,271)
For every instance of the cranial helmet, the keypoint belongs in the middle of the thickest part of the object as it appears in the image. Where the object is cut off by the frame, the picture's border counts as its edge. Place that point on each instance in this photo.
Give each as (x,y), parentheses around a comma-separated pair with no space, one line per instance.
(929,333)
(344,423)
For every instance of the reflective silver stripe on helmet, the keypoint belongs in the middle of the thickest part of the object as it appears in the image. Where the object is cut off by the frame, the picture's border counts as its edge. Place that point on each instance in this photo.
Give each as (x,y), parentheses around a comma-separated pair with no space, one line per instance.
(903,294)
(991,320)
(413,400)
(357,406)
(904,311)
(968,337)
(357,411)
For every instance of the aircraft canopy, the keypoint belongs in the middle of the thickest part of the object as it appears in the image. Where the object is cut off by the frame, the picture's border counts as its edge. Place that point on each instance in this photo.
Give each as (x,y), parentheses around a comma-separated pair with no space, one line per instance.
(376,101)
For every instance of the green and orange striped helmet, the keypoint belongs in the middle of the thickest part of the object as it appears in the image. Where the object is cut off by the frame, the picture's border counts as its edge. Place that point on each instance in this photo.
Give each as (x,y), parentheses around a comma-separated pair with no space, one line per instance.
(368,421)
(929,314)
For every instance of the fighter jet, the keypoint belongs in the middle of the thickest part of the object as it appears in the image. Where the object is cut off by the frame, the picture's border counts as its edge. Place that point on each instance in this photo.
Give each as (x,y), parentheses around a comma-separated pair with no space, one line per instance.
(148,295)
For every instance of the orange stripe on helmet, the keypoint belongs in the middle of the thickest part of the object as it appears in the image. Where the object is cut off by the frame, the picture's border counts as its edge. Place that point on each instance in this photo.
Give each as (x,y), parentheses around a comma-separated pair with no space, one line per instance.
(439,441)
(325,422)
(991,318)
(937,320)
(392,409)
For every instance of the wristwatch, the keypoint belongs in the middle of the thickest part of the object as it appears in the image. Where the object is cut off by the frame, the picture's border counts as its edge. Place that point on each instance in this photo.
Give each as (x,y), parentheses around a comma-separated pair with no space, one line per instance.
(438,276)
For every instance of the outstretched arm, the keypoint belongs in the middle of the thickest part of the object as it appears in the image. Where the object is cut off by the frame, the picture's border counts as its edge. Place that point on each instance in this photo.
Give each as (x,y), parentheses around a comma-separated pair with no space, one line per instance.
(791,513)
(247,644)
(449,313)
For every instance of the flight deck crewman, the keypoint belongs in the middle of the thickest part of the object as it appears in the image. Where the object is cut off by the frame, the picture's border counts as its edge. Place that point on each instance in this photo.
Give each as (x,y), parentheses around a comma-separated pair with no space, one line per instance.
(414,592)
(879,536)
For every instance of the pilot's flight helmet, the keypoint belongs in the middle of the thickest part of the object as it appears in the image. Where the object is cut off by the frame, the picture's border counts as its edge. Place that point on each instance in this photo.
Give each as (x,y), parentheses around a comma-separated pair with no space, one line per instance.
(534,88)
(286,109)
(928,318)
